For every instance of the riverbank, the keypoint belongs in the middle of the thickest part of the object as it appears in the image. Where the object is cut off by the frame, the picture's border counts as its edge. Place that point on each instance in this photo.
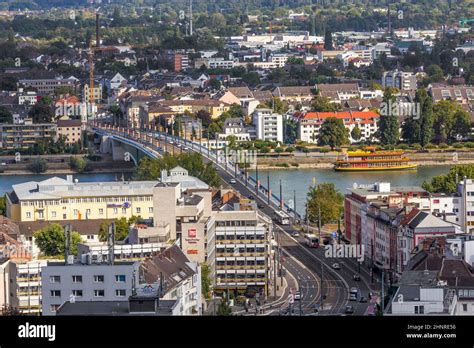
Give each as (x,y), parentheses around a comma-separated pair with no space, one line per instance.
(69,171)
(326,161)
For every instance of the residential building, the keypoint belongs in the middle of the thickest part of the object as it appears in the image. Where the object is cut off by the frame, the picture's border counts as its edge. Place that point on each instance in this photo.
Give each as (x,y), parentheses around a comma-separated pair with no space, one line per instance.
(464,95)
(269,125)
(310,124)
(294,94)
(404,81)
(26,289)
(70,129)
(7,288)
(27,98)
(17,136)
(338,92)
(86,281)
(179,277)
(57,199)
(97,93)
(466,209)
(422,294)
(48,86)
(237,249)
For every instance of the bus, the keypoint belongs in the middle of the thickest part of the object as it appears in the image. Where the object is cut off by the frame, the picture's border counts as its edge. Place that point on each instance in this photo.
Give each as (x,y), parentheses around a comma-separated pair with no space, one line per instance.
(312,241)
(282,218)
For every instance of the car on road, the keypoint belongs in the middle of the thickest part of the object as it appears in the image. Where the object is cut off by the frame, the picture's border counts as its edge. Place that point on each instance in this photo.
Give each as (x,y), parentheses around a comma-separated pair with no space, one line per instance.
(336,266)
(363,299)
(297,296)
(185,148)
(295,234)
(233,181)
(356,277)
(349,310)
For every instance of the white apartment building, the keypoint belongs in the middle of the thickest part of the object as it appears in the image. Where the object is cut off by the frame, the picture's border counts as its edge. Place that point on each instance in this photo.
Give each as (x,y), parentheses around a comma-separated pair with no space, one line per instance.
(404,81)
(237,248)
(27,277)
(269,125)
(279,59)
(216,63)
(466,208)
(27,98)
(86,281)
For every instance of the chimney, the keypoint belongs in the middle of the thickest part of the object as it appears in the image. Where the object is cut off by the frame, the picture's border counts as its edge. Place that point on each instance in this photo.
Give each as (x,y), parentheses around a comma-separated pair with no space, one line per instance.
(97,36)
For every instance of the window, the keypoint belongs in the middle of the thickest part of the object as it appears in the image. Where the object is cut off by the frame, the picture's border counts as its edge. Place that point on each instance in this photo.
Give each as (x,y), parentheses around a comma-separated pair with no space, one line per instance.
(76,279)
(120,293)
(28,215)
(54,307)
(55,293)
(88,212)
(150,210)
(138,210)
(120,278)
(64,216)
(99,293)
(55,279)
(75,211)
(77,293)
(115,211)
(464,307)
(53,214)
(124,210)
(101,211)
(98,279)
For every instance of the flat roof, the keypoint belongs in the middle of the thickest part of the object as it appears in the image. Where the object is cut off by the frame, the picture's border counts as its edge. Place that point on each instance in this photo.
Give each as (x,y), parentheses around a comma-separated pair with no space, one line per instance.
(110,308)
(57,188)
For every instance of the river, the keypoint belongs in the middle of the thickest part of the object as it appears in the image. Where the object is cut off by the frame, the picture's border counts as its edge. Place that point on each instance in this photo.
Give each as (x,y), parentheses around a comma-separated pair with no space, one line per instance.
(292,180)
(298,180)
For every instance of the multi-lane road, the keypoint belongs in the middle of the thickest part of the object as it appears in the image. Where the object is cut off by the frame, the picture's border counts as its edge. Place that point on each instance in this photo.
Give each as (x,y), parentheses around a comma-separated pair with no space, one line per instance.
(310,267)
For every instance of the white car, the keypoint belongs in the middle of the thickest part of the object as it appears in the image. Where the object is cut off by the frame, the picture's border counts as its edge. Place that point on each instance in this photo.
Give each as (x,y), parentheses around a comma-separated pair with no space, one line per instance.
(297,296)
(233,181)
(336,266)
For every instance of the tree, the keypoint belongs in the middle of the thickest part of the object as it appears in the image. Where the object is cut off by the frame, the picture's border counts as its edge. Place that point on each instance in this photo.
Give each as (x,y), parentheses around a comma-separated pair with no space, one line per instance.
(389,127)
(224,308)
(51,240)
(447,183)
(78,164)
(205,117)
(291,130)
(333,133)
(450,120)
(5,115)
(39,165)
(462,124)
(42,112)
(328,199)
(328,40)
(121,228)
(3,205)
(215,84)
(251,78)
(323,104)
(356,133)
(418,128)
(206,281)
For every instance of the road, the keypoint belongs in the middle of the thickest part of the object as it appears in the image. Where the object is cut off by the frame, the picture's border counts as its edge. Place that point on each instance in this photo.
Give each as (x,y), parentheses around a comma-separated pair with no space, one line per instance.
(309,266)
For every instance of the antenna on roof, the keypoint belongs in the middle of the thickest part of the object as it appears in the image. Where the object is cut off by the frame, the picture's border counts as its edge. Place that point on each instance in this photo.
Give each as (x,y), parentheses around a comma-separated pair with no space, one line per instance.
(67,242)
(111,242)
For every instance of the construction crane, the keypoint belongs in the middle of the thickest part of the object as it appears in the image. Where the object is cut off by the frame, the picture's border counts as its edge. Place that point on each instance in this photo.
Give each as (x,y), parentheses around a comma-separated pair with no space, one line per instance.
(91,58)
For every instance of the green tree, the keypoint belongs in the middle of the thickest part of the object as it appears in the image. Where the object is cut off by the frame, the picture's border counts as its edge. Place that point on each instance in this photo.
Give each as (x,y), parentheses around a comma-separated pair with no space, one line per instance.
(42,112)
(328,45)
(419,128)
(78,164)
(206,281)
(215,84)
(356,133)
(389,127)
(328,199)
(3,205)
(224,309)
(446,183)
(251,78)
(5,115)
(39,165)
(323,104)
(450,120)
(51,240)
(121,228)
(333,133)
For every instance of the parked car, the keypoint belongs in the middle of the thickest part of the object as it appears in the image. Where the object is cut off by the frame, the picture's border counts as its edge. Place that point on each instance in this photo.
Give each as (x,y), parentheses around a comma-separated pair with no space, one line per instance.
(295,234)
(336,266)
(233,181)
